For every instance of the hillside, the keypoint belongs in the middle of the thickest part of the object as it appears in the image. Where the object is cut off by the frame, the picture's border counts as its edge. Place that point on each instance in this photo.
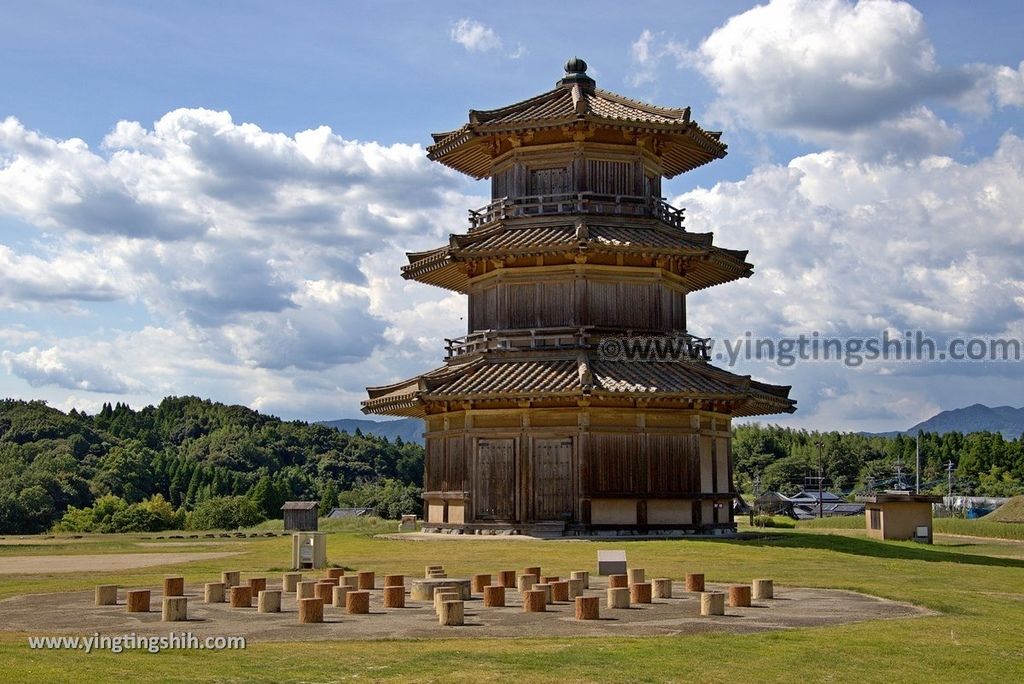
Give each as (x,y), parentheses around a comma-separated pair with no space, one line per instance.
(409,429)
(1006,420)
(1010,512)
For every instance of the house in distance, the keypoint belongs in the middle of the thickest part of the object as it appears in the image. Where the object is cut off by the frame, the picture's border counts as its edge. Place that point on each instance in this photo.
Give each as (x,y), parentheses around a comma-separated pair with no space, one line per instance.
(537,422)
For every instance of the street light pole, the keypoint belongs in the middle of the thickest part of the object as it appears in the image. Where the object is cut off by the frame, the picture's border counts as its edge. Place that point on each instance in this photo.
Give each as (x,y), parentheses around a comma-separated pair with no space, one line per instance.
(821,479)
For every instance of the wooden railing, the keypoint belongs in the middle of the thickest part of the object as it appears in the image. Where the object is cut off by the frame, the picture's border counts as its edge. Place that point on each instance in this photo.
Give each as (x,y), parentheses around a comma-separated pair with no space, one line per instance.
(576,203)
(680,346)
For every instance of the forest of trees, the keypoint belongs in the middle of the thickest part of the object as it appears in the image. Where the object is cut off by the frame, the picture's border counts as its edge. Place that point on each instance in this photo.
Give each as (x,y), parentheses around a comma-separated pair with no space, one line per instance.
(200,465)
(772,458)
(155,468)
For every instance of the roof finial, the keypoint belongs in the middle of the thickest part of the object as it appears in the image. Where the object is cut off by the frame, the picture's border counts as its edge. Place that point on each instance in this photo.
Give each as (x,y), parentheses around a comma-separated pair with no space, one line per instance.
(576,72)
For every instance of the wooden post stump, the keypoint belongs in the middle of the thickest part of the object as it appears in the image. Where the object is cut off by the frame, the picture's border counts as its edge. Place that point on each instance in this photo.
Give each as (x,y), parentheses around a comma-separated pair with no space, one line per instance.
(213,592)
(575,588)
(445,595)
(616,581)
(268,601)
(106,595)
(494,596)
(526,582)
(694,581)
(310,610)
(430,569)
(560,591)
(394,581)
(367,579)
(338,596)
(662,587)
(175,609)
(479,582)
(739,596)
(618,597)
(535,570)
(453,613)
(712,603)
(546,588)
(289,581)
(323,591)
(583,575)
(241,597)
(588,607)
(640,592)
(394,596)
(764,589)
(507,578)
(137,600)
(335,573)
(350,581)
(174,586)
(257,584)
(535,601)
(357,602)
(550,579)
(231,578)
(305,590)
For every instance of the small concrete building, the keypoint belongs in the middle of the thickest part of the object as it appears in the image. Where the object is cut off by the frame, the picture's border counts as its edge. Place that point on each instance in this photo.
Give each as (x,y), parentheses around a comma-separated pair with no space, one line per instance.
(899,515)
(300,516)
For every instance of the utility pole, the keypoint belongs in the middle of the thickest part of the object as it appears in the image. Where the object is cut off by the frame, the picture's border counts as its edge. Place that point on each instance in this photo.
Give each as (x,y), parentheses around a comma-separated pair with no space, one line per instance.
(917,466)
(949,479)
(899,473)
(821,479)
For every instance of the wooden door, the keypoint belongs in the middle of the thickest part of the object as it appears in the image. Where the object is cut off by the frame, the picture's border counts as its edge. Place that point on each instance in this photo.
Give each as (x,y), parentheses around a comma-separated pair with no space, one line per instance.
(552,479)
(496,478)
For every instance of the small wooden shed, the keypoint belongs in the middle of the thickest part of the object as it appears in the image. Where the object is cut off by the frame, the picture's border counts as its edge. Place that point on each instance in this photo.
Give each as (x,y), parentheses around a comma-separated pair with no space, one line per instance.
(899,515)
(300,516)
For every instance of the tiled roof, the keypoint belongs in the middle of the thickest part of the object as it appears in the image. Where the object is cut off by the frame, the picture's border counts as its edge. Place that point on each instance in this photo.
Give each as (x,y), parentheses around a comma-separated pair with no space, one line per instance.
(516,377)
(569,102)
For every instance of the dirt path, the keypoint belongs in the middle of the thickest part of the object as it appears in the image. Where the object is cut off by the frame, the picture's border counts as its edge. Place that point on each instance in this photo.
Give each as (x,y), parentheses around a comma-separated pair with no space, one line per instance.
(33,565)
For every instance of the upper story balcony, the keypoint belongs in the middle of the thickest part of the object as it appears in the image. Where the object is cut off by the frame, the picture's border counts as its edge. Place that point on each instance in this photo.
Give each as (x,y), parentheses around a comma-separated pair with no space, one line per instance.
(576,203)
(630,345)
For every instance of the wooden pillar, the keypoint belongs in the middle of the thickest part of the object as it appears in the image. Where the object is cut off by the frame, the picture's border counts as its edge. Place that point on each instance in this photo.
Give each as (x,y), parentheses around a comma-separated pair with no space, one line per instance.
(618,597)
(588,607)
(137,600)
(174,586)
(507,578)
(311,610)
(304,590)
(335,573)
(289,581)
(764,589)
(175,609)
(739,596)
(445,595)
(430,570)
(241,597)
(231,578)
(452,614)
(615,581)
(546,588)
(479,582)
(350,581)
(213,592)
(583,575)
(550,579)
(357,602)
(534,570)
(662,587)
(635,575)
(338,596)
(694,581)
(394,596)
(106,595)
(367,579)
(712,603)
(494,596)
(535,601)
(640,592)
(560,591)
(394,581)
(268,601)
(526,582)
(324,591)
(575,588)
(257,584)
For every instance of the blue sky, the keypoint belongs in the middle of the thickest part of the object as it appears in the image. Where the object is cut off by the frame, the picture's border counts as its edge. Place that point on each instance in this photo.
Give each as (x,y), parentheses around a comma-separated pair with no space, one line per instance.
(214,199)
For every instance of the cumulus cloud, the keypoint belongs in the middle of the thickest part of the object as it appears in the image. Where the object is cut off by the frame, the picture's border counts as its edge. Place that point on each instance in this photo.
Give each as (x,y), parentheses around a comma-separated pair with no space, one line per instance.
(478,37)
(249,250)
(855,76)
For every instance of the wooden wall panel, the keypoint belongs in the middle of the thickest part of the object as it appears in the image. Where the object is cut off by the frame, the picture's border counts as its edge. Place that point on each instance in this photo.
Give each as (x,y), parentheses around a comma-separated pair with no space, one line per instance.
(455,465)
(552,479)
(433,466)
(673,463)
(495,491)
(615,464)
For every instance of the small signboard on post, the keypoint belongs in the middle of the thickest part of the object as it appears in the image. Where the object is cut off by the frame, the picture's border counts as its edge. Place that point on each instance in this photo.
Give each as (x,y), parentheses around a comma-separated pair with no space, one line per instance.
(611,562)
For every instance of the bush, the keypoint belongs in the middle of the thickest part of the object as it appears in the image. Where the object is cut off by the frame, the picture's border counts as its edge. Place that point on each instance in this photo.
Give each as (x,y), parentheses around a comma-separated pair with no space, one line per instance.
(770,521)
(388,498)
(111,513)
(224,513)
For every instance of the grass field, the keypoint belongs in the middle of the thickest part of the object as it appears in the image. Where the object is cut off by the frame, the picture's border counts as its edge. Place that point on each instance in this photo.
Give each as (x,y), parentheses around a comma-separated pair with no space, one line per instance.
(977,586)
(980,527)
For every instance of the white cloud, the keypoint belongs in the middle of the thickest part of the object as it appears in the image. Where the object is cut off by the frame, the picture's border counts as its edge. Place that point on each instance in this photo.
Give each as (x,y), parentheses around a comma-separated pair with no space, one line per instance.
(478,37)
(54,366)
(853,76)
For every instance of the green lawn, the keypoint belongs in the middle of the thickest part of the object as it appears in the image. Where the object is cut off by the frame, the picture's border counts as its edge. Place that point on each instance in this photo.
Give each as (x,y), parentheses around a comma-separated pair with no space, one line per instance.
(972,528)
(976,585)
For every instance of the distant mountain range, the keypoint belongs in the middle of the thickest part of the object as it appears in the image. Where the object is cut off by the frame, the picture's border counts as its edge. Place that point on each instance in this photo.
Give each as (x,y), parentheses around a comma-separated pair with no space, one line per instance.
(409,429)
(977,418)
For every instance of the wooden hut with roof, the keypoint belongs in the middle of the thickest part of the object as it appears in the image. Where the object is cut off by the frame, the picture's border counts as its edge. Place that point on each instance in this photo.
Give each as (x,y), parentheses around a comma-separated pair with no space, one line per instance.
(533,423)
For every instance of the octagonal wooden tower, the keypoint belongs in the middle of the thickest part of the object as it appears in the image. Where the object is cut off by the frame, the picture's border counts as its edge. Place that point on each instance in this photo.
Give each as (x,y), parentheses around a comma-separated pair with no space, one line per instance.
(532,424)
